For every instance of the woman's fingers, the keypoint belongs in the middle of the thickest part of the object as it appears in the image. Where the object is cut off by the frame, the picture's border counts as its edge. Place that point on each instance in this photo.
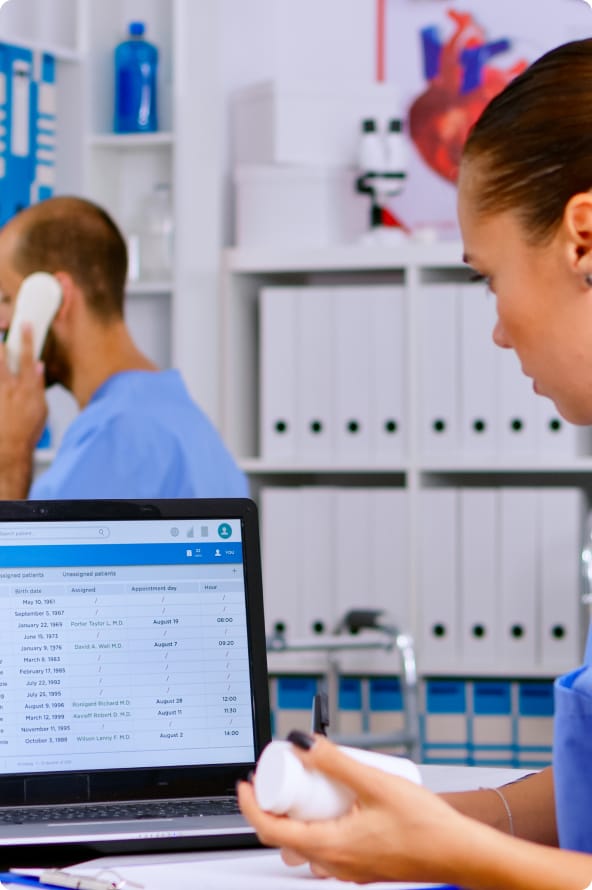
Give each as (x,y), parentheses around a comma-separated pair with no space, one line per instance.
(292,858)
(279,831)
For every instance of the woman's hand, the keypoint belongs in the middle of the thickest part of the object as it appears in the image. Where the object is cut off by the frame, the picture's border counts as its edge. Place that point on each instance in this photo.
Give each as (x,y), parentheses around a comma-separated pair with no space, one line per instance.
(396,831)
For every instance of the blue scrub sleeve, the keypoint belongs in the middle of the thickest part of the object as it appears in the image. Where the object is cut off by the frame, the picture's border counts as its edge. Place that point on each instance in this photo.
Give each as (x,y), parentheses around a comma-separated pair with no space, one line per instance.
(572,759)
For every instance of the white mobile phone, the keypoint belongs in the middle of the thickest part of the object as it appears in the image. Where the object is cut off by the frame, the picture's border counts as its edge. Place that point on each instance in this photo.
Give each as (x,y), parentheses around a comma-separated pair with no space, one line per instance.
(37,302)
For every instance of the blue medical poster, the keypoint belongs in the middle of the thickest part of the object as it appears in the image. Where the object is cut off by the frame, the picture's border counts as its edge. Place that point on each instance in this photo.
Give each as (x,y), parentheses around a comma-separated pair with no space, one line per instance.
(27,128)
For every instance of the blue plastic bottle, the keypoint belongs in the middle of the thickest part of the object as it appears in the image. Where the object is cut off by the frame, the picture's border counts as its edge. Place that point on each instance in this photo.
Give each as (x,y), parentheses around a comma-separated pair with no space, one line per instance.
(136,64)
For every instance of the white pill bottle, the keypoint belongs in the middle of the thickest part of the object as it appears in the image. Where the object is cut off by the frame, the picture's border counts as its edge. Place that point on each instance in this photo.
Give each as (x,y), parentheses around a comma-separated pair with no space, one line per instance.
(285,787)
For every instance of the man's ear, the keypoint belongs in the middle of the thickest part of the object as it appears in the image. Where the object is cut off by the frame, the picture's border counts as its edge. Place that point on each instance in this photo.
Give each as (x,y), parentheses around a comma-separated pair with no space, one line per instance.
(69,291)
(577,226)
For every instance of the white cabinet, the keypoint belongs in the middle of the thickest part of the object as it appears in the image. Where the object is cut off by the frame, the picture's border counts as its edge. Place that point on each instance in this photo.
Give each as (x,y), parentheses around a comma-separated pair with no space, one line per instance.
(457,440)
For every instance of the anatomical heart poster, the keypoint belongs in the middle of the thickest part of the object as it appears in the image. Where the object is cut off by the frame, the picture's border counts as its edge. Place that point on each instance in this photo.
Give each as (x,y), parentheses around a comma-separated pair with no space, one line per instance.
(448,60)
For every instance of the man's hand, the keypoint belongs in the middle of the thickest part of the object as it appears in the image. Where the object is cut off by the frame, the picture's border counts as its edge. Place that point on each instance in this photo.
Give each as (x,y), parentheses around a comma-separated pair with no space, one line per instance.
(23,412)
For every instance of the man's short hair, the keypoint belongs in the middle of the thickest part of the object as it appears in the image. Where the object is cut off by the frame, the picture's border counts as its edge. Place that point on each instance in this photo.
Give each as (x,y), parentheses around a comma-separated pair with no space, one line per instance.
(73,235)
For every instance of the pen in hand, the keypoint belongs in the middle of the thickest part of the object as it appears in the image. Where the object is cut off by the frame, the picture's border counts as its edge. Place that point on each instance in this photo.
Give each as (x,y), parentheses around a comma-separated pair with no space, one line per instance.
(320,714)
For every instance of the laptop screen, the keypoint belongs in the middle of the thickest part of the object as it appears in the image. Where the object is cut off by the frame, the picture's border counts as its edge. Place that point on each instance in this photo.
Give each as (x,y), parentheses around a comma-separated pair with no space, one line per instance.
(128,639)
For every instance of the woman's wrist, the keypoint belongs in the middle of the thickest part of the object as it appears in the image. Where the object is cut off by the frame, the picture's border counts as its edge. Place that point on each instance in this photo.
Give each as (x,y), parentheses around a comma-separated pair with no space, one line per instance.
(506,806)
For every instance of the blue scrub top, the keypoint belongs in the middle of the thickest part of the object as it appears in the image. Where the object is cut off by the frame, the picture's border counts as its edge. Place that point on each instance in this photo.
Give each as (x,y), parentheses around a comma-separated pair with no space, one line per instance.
(572,755)
(141,436)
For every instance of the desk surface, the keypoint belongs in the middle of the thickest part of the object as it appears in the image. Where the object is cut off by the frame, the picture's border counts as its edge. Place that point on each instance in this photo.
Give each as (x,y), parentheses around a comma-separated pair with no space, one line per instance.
(263,869)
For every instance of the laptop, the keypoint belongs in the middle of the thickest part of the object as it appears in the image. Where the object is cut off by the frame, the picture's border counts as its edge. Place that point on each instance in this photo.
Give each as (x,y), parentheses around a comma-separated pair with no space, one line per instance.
(133,679)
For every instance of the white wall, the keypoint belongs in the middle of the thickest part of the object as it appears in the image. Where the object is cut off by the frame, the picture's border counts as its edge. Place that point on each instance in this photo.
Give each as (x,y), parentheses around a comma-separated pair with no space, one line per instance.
(229,44)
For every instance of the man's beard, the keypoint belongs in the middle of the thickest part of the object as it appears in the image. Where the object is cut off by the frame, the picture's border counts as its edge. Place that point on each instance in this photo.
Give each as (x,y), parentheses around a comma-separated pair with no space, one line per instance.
(57,368)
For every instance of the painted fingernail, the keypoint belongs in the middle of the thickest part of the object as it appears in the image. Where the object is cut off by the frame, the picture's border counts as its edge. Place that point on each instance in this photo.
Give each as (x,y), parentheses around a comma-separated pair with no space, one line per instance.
(251,776)
(301,739)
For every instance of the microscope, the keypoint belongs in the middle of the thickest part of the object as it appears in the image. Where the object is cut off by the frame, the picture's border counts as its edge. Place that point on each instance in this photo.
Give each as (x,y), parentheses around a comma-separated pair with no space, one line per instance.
(383,165)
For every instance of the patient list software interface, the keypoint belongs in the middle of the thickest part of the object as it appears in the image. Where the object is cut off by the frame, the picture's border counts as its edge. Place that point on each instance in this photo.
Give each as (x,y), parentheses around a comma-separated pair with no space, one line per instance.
(124,644)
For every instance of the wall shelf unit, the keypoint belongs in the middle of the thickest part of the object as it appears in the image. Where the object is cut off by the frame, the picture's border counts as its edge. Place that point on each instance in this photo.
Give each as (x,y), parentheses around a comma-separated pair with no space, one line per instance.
(418,273)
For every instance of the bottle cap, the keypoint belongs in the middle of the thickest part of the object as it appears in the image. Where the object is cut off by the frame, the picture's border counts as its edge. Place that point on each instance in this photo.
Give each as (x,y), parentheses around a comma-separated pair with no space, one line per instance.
(137,29)
(278,776)
(369,125)
(395,125)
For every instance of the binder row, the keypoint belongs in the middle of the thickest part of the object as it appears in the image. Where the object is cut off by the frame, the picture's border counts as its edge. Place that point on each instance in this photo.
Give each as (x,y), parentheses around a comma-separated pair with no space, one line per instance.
(337,372)
(365,704)
(496,573)
(487,722)
(474,399)
(328,550)
(499,578)
(333,373)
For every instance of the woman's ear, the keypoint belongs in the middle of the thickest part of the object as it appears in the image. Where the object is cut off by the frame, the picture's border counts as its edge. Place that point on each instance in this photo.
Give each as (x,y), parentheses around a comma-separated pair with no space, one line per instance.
(577,226)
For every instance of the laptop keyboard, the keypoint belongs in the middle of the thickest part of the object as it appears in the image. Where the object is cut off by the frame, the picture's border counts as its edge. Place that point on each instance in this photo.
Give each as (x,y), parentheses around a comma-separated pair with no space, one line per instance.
(158,809)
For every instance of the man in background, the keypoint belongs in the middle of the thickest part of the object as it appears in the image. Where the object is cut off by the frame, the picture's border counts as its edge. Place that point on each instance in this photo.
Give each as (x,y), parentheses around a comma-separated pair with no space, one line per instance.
(138,433)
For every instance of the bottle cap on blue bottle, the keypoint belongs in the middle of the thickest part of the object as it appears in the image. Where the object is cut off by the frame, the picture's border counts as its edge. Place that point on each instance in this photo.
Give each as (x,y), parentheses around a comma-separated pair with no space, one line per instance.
(137,29)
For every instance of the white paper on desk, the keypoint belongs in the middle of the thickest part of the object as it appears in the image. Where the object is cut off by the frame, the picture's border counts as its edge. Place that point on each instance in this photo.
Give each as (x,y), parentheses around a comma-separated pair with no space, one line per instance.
(264,871)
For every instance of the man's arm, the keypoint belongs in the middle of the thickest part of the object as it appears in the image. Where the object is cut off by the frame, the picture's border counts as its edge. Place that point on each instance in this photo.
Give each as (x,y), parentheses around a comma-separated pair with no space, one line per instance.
(23,411)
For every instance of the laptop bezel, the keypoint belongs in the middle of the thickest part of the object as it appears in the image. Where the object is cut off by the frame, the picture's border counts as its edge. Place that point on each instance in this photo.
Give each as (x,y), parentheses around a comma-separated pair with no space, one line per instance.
(176,782)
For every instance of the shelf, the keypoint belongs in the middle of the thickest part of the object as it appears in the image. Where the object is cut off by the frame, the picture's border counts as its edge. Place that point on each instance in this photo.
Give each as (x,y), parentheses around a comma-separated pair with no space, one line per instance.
(60,53)
(147,288)
(348,257)
(257,466)
(293,664)
(130,141)
(579,466)
(530,466)
(496,672)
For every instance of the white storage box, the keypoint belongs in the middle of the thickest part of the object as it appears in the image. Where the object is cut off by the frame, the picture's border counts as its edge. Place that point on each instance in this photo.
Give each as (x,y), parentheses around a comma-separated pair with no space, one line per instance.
(306,123)
(279,206)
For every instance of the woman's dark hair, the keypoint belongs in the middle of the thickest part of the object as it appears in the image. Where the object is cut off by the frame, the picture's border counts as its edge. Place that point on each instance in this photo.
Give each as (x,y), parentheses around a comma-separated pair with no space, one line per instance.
(533,141)
(73,235)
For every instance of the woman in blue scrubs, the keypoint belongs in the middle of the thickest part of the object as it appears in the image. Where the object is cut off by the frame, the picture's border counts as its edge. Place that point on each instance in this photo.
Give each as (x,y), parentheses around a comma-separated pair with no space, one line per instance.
(525,211)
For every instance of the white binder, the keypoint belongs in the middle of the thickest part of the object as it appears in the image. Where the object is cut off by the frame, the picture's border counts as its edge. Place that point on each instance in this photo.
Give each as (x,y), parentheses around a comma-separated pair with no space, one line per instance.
(556,437)
(277,323)
(562,514)
(519,559)
(479,576)
(438,572)
(316,555)
(315,395)
(479,379)
(388,383)
(439,367)
(280,557)
(389,555)
(518,433)
(352,374)
(354,572)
